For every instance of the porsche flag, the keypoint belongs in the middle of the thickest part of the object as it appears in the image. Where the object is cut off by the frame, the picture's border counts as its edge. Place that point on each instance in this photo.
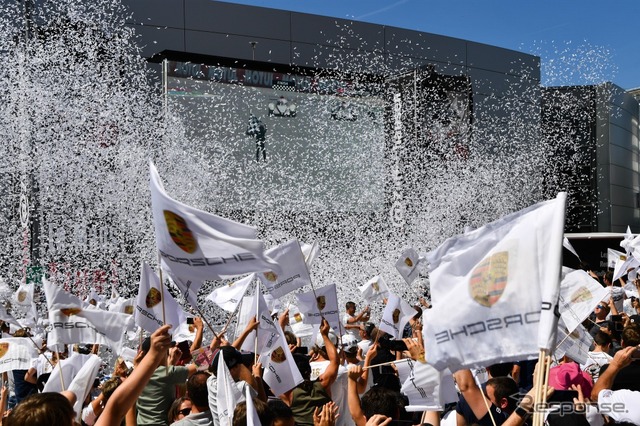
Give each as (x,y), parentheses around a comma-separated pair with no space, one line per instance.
(74,321)
(199,246)
(280,370)
(395,316)
(16,353)
(374,289)
(149,310)
(323,303)
(188,288)
(24,295)
(408,265)
(579,295)
(613,256)
(293,270)
(504,281)
(229,296)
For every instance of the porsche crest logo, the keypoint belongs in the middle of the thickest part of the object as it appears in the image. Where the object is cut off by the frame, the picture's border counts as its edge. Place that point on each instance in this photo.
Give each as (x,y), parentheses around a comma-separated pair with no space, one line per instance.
(4,348)
(396,316)
(298,317)
(153,298)
(128,309)
(93,302)
(376,286)
(278,355)
(71,311)
(180,232)
(271,276)
(22,296)
(408,262)
(321,302)
(489,279)
(581,295)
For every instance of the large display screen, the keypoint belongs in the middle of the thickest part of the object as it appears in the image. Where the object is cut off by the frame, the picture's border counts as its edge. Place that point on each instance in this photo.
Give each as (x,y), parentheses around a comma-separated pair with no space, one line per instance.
(283,141)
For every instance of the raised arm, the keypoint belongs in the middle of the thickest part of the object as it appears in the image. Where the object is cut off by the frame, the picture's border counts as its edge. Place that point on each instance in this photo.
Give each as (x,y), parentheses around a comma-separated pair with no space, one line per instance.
(128,392)
(331,373)
(471,392)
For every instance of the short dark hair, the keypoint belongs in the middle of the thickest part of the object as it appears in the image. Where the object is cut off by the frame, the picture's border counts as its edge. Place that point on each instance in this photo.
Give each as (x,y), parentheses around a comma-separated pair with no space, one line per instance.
(302,362)
(197,389)
(47,408)
(504,387)
(381,400)
(630,335)
(264,413)
(602,339)
(349,305)
(279,409)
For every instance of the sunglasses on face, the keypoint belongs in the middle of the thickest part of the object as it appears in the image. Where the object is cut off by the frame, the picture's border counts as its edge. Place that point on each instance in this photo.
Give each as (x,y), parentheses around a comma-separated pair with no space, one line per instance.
(600,307)
(185,411)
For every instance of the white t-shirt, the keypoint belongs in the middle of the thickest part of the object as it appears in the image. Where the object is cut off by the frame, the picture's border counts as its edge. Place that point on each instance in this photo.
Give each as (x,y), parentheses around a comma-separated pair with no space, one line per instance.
(594,362)
(352,331)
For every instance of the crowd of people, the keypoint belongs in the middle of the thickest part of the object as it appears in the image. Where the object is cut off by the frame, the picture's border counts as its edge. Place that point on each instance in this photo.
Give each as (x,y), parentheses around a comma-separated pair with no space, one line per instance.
(348,379)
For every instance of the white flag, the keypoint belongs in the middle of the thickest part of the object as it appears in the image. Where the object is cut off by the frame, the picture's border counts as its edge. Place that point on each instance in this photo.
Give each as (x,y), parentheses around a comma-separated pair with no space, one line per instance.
(310,252)
(374,289)
(8,318)
(188,288)
(248,310)
(229,296)
(149,304)
(280,370)
(296,322)
(16,353)
(74,321)
(408,265)
(293,270)
(422,388)
(93,298)
(252,418)
(396,315)
(496,289)
(622,266)
(196,245)
(574,344)
(323,302)
(579,295)
(627,242)
(24,295)
(613,256)
(228,395)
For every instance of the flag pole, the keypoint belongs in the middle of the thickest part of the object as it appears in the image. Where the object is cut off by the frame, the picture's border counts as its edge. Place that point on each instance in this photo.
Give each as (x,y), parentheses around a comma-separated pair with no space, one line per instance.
(205,321)
(164,319)
(60,370)
(486,403)
(255,347)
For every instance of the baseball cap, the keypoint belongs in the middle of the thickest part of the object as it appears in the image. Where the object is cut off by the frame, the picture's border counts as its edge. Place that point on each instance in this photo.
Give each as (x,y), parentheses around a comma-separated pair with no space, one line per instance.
(564,375)
(349,343)
(332,336)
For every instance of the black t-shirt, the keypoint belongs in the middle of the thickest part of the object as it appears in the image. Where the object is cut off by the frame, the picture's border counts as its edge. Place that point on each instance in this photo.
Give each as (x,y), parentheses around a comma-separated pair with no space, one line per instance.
(22,388)
(465,410)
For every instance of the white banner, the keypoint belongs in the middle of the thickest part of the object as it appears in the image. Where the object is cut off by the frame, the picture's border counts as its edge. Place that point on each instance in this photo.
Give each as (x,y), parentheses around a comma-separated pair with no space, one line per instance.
(280,370)
(422,388)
